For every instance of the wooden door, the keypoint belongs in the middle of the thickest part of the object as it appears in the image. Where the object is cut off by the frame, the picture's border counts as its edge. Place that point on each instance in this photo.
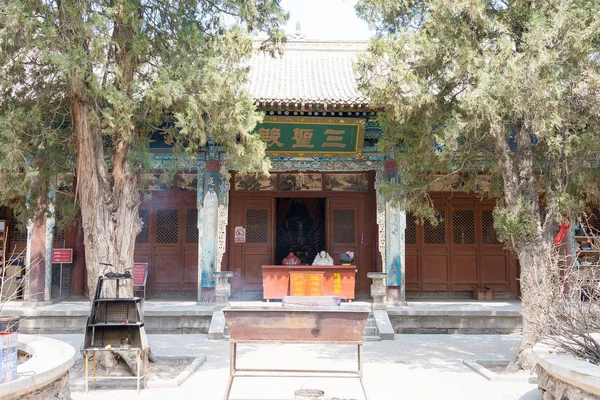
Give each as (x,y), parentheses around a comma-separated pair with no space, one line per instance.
(498,267)
(246,259)
(344,233)
(460,253)
(169,242)
(412,258)
(464,259)
(435,271)
(167,248)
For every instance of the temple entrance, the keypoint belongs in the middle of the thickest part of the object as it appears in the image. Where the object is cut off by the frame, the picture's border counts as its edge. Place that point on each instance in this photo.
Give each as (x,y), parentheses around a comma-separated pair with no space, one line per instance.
(302,213)
(300,228)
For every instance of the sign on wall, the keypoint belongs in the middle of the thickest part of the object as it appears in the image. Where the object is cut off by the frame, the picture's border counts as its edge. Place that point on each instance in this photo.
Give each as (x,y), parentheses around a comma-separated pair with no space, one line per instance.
(240,234)
(62,256)
(305,136)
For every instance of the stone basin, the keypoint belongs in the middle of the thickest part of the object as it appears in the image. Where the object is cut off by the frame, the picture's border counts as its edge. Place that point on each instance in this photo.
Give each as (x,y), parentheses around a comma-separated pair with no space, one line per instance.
(296,324)
(45,374)
(563,373)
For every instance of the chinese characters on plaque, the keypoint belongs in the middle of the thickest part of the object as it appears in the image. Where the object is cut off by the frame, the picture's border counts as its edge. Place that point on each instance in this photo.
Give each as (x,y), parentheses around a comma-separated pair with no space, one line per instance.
(306,136)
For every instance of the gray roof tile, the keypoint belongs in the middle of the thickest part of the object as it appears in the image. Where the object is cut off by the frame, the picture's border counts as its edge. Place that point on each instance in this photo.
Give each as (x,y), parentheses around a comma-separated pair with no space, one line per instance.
(309,73)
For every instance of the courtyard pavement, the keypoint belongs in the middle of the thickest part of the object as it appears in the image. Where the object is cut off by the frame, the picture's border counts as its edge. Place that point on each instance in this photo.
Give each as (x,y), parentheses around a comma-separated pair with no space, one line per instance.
(409,367)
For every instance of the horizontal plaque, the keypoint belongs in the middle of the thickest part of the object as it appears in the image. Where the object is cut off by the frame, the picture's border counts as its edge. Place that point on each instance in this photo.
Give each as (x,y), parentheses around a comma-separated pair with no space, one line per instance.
(306,136)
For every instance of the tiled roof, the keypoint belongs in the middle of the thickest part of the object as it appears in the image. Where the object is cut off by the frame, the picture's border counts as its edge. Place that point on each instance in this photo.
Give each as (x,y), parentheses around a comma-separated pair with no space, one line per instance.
(310,76)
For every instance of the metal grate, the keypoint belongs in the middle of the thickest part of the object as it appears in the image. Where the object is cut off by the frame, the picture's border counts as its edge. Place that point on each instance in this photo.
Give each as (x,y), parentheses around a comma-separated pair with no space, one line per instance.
(487,228)
(191,225)
(343,226)
(435,234)
(411,229)
(115,312)
(257,226)
(143,236)
(167,226)
(463,227)
(18,234)
(115,336)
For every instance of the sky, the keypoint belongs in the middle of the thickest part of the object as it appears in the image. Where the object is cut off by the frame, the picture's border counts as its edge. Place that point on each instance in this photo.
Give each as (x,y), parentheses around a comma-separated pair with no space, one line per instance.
(326,19)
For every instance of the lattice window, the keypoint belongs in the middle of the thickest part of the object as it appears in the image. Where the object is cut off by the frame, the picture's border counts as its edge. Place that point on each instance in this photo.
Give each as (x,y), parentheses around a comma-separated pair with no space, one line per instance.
(463,226)
(191,225)
(487,228)
(167,226)
(58,235)
(257,226)
(18,233)
(143,236)
(435,234)
(411,229)
(343,226)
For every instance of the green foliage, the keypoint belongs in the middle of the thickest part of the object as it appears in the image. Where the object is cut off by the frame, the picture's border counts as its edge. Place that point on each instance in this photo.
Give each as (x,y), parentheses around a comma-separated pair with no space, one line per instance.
(135,64)
(494,97)
(515,224)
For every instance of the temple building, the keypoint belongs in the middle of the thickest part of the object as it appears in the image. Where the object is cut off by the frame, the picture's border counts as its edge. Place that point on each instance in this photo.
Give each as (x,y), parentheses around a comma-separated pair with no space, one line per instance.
(322,195)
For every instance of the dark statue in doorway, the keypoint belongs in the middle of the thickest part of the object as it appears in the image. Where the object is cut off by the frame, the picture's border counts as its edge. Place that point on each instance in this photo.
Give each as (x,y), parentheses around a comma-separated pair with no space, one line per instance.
(302,242)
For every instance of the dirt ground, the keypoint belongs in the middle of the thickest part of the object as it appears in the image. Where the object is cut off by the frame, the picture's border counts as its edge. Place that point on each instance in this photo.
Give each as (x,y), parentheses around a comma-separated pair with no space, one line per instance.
(163,369)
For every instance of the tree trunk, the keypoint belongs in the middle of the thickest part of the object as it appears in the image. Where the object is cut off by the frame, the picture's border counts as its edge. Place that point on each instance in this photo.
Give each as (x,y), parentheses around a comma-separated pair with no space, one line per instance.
(108,201)
(109,214)
(109,206)
(535,272)
(522,201)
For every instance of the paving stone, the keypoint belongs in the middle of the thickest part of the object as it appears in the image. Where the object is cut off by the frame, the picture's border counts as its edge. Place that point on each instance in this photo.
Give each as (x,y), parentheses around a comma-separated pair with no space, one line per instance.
(410,366)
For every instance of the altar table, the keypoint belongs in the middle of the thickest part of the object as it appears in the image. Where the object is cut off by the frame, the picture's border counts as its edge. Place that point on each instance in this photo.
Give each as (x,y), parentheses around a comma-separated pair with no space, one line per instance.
(308,280)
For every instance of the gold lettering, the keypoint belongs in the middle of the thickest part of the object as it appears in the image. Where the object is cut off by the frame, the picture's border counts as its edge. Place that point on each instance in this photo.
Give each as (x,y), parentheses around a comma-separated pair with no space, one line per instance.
(302,137)
(270,136)
(333,136)
(337,283)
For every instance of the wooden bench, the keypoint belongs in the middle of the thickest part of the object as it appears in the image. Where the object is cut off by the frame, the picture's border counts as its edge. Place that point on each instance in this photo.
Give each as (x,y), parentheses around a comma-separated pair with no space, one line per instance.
(298,323)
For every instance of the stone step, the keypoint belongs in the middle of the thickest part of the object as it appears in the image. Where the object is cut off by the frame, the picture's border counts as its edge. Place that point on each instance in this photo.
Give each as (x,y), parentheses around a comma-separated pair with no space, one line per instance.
(449,322)
(217,326)
(371,331)
(197,320)
(371,338)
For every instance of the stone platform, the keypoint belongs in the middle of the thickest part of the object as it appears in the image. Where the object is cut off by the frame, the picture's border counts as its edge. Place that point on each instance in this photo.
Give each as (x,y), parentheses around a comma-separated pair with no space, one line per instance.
(457,316)
(187,316)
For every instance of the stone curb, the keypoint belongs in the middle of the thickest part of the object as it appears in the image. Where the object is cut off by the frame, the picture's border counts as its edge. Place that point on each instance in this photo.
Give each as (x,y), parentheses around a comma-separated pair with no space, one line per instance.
(150,384)
(179,379)
(50,359)
(479,366)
